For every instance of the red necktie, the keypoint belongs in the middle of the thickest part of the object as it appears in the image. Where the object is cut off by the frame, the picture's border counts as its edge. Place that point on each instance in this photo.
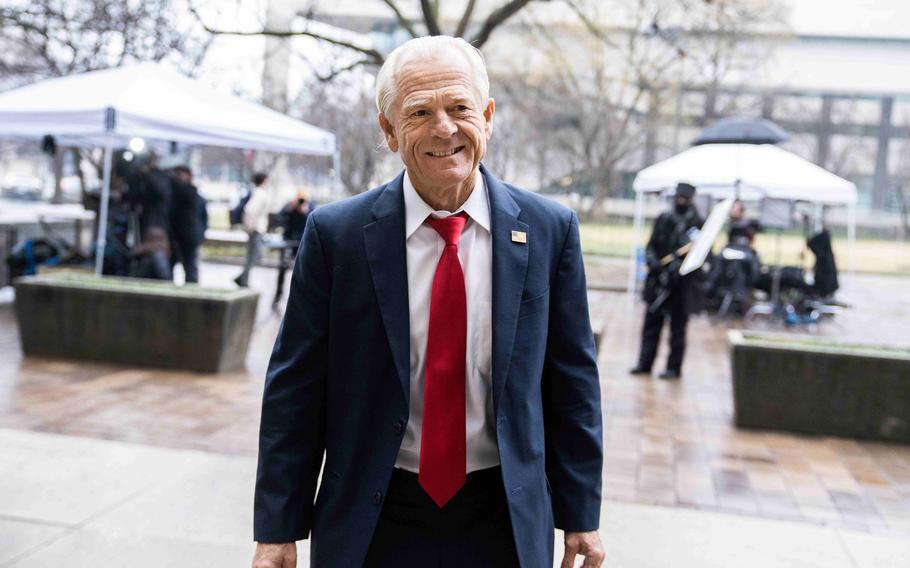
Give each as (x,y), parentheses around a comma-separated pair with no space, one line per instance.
(442,436)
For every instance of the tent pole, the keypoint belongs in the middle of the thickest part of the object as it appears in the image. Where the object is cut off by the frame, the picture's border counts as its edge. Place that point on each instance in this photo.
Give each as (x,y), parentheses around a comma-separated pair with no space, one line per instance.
(851,238)
(102,210)
(637,222)
(336,168)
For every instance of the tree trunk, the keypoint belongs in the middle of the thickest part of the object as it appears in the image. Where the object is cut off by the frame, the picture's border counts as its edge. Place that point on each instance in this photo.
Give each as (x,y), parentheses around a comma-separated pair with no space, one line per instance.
(77,153)
(57,166)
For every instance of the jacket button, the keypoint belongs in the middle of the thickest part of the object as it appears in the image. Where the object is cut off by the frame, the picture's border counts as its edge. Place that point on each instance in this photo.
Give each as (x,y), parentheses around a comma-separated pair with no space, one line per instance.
(377,498)
(399,427)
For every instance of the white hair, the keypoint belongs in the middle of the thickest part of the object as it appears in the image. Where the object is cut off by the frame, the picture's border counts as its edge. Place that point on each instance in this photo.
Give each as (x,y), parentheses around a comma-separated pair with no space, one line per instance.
(427,47)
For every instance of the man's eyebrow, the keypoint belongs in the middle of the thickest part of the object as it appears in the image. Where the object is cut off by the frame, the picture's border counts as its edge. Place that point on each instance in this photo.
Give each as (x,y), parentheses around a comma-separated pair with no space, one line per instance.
(463,99)
(413,104)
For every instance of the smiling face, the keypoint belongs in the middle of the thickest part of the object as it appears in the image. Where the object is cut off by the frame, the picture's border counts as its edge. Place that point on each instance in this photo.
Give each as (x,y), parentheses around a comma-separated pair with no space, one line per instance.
(440,126)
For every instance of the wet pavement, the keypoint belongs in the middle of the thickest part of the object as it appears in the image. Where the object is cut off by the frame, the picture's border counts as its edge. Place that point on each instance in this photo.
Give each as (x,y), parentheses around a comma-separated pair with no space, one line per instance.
(671,447)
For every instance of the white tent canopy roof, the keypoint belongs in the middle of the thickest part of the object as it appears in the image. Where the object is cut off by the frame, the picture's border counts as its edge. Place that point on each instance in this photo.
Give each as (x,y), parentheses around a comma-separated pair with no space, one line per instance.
(150,101)
(760,170)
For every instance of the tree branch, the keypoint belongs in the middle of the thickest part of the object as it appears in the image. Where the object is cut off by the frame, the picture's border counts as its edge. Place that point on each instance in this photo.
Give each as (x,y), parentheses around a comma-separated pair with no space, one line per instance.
(374,56)
(595,30)
(465,19)
(430,18)
(336,72)
(405,23)
(496,18)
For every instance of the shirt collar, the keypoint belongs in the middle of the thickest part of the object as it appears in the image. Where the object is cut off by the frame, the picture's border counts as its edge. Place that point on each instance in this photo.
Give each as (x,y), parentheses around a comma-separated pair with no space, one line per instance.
(416,210)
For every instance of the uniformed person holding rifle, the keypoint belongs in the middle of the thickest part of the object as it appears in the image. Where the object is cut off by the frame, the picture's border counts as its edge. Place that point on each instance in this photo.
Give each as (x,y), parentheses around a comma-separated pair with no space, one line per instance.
(667,293)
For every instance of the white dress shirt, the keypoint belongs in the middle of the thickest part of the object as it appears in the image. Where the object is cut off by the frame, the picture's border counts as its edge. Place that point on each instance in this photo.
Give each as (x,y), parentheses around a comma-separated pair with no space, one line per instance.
(475,251)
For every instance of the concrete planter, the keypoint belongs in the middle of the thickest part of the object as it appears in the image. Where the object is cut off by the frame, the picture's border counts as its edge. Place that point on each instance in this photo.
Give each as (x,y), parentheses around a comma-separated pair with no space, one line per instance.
(135,322)
(818,386)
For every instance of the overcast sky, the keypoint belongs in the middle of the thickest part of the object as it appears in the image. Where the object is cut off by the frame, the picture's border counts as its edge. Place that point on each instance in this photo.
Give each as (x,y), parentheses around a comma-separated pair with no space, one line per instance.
(874,18)
(234,64)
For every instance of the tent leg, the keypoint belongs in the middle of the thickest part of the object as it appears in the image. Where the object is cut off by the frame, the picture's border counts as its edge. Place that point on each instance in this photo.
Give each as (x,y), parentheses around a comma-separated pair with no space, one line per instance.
(336,169)
(102,210)
(637,222)
(851,238)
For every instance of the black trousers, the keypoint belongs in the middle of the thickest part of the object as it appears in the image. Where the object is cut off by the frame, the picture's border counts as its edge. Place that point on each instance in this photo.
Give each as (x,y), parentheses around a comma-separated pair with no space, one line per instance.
(473,529)
(650,333)
(187,254)
(285,262)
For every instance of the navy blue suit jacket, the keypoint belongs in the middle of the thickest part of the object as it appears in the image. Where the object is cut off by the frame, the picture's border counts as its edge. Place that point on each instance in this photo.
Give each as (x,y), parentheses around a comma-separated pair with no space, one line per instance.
(338,380)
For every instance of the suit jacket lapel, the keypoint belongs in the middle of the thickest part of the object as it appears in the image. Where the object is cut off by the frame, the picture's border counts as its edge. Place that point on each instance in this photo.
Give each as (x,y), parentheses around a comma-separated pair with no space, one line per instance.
(385,248)
(510,264)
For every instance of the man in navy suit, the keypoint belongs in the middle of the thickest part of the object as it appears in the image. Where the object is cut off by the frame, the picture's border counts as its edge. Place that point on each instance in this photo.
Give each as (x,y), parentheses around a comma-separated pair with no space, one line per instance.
(437,353)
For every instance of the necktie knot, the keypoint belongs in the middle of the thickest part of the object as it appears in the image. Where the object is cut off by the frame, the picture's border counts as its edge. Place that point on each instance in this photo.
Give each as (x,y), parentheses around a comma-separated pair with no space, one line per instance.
(449,228)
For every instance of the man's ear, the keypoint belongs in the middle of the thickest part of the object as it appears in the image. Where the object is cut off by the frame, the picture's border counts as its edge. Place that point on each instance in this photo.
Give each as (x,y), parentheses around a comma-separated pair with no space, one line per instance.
(488,118)
(388,132)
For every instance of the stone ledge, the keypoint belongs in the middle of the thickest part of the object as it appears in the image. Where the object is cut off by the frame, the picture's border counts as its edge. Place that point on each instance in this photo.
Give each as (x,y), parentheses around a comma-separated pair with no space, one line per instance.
(134,321)
(820,386)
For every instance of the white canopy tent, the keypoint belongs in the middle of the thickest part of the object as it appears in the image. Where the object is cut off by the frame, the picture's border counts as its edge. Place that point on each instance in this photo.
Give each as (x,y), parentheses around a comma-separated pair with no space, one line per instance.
(108,108)
(751,172)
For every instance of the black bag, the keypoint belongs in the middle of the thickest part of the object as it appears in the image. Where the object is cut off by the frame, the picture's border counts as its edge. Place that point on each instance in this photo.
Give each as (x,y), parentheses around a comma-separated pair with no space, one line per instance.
(236,214)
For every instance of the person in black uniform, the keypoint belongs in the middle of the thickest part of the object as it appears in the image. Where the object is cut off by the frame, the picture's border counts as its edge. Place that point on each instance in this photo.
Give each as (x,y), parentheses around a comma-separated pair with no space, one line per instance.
(667,293)
(184,216)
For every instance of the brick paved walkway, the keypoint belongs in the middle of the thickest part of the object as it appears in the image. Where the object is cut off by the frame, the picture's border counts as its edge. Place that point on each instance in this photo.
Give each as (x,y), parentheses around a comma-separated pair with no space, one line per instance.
(666,443)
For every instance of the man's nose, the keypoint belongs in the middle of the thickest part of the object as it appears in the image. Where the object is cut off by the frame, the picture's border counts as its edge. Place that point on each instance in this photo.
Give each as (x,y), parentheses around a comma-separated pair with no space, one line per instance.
(443,126)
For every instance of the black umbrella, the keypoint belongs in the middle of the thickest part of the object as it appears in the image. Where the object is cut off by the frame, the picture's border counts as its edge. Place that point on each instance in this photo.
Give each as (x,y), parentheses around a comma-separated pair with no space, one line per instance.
(742,131)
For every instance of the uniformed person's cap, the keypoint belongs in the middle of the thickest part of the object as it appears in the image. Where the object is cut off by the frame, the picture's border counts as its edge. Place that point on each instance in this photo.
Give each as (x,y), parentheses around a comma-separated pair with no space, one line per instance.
(684,189)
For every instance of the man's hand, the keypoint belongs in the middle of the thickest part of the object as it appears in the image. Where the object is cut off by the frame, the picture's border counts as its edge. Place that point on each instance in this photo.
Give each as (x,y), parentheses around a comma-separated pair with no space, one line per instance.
(586,544)
(275,555)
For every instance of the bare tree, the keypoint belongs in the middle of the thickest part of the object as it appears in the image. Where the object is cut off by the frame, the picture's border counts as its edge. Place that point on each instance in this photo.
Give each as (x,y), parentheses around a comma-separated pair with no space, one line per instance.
(851,155)
(719,33)
(902,196)
(426,19)
(590,103)
(345,106)
(607,84)
(510,153)
(52,38)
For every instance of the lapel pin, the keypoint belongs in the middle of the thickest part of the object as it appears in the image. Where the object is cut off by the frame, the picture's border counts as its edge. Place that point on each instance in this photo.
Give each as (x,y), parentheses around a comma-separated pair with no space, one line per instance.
(519,237)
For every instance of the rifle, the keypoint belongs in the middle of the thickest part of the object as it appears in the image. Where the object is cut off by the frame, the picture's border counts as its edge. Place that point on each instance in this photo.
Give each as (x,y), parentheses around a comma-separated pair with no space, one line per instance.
(668,274)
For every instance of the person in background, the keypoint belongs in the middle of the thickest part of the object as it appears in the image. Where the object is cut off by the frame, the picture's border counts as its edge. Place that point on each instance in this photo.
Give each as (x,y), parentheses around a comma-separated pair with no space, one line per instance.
(741,230)
(185,223)
(255,224)
(149,192)
(151,258)
(119,241)
(202,217)
(293,215)
(666,293)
